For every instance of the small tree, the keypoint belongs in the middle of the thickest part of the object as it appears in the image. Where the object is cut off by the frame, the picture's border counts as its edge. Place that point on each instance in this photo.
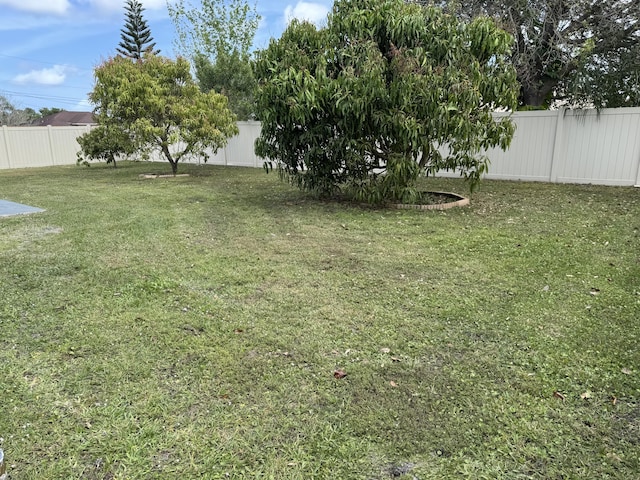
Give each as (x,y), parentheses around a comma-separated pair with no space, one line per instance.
(136,35)
(156,105)
(105,142)
(217,36)
(366,103)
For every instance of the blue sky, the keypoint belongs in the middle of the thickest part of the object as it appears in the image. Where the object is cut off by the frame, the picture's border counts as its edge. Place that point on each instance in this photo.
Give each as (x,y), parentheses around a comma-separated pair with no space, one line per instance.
(49,48)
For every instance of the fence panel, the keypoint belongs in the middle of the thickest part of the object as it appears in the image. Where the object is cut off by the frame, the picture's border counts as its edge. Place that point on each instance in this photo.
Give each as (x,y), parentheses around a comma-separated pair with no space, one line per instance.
(602,148)
(64,145)
(240,150)
(27,147)
(530,155)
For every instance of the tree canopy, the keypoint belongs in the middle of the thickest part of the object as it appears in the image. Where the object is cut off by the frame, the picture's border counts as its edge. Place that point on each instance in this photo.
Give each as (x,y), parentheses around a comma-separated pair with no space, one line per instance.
(580,52)
(231,76)
(217,36)
(156,105)
(214,26)
(136,39)
(366,104)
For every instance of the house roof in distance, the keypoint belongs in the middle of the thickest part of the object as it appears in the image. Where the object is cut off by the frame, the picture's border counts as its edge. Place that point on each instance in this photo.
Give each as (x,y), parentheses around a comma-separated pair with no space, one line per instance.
(66,119)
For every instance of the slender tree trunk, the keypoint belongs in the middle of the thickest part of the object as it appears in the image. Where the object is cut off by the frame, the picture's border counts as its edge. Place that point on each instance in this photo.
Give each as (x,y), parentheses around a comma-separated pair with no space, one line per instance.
(169,157)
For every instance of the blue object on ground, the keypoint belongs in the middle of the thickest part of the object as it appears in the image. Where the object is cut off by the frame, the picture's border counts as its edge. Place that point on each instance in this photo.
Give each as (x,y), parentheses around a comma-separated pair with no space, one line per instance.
(8,209)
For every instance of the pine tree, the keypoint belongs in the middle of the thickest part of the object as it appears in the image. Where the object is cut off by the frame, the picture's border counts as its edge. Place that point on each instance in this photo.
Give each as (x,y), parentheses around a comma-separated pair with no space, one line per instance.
(136,35)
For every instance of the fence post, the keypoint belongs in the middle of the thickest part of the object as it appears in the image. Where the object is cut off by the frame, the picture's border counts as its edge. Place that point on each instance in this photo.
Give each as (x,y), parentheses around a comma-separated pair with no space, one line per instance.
(558,146)
(5,133)
(52,149)
(637,184)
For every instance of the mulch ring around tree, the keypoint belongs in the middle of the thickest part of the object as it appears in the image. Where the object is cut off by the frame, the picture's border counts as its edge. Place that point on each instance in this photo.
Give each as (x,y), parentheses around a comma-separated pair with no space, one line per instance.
(435,201)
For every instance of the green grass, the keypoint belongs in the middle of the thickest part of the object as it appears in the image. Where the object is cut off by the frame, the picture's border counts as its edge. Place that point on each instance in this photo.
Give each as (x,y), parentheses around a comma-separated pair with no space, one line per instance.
(189,328)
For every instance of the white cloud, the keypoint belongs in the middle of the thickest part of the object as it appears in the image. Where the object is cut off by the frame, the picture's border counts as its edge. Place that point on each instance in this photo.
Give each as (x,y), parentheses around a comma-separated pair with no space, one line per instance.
(83,106)
(312,12)
(55,75)
(58,7)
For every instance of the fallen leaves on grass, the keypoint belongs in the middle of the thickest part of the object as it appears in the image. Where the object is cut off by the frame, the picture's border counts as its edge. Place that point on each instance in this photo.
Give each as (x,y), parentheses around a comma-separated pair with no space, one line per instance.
(586,395)
(557,394)
(339,373)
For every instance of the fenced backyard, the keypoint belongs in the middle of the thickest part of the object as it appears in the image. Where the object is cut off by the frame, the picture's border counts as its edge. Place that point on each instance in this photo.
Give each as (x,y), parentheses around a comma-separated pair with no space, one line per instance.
(562,146)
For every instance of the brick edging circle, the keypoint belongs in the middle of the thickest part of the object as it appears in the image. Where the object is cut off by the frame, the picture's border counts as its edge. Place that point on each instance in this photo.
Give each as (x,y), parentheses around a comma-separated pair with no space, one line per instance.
(461,202)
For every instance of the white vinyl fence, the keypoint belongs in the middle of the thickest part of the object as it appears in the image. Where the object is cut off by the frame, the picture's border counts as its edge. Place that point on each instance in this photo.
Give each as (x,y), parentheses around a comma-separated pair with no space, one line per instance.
(239,151)
(22,147)
(564,146)
(572,146)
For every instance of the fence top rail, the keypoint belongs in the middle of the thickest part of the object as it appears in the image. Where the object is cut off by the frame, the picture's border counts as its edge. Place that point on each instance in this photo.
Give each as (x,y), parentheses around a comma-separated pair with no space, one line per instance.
(572,112)
(45,127)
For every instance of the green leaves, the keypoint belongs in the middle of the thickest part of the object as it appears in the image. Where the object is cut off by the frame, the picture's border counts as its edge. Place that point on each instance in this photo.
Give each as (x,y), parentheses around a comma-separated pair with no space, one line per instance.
(217,36)
(155,104)
(105,142)
(214,27)
(582,53)
(364,105)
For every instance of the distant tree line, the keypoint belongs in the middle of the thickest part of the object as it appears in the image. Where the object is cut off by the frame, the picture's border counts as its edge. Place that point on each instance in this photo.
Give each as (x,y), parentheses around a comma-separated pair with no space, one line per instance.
(10,115)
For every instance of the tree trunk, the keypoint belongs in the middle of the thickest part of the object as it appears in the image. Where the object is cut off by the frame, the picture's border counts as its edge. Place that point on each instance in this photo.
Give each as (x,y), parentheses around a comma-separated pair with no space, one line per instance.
(174,163)
(538,94)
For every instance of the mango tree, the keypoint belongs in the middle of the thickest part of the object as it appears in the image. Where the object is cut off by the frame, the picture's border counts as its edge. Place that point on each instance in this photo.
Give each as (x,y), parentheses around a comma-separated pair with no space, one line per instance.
(156,105)
(385,92)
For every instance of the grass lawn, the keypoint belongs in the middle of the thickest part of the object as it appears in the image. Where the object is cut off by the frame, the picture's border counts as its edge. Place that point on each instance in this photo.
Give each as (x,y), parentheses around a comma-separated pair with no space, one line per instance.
(190,327)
